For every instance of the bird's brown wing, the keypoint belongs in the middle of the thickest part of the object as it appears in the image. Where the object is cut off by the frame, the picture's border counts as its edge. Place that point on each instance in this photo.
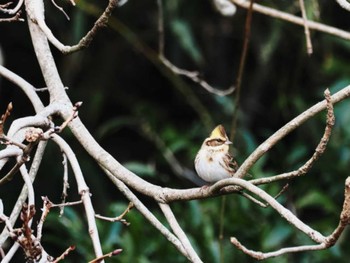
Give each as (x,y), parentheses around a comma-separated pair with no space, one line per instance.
(230,164)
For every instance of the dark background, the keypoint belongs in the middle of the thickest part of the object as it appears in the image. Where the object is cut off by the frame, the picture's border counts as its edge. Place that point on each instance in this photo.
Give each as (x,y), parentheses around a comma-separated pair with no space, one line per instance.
(130,99)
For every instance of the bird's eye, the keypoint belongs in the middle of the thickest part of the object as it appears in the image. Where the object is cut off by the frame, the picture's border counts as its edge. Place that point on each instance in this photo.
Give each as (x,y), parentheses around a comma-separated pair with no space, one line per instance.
(219,140)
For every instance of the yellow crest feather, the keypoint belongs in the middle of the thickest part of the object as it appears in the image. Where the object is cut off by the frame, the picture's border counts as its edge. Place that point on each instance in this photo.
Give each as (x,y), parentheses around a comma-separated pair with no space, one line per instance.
(218,132)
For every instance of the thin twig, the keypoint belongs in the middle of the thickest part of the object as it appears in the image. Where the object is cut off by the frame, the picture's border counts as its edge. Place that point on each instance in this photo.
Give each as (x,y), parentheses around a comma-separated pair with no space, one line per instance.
(247,30)
(294,19)
(259,203)
(3,8)
(119,218)
(24,193)
(60,8)
(65,182)
(85,41)
(108,255)
(306,28)
(20,161)
(192,75)
(64,254)
(67,204)
(175,165)
(4,117)
(160,28)
(45,211)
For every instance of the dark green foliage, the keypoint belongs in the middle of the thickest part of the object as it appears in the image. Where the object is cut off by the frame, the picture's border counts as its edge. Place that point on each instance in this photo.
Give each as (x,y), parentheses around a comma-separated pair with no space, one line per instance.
(131,101)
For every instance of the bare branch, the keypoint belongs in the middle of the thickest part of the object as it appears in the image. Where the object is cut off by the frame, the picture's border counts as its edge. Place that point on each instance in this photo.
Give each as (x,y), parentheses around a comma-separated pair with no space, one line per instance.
(294,19)
(242,61)
(324,243)
(35,12)
(24,193)
(67,204)
(4,117)
(170,217)
(3,8)
(192,75)
(64,254)
(108,255)
(15,18)
(321,147)
(306,28)
(119,218)
(60,9)
(27,88)
(45,211)
(83,191)
(146,213)
(344,4)
(65,182)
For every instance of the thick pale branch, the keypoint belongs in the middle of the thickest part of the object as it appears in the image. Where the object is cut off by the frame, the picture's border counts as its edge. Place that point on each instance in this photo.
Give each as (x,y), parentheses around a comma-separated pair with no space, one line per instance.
(146,213)
(169,215)
(344,4)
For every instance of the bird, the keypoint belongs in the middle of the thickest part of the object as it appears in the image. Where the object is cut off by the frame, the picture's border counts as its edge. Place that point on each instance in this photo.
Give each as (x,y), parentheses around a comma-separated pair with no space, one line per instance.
(213,161)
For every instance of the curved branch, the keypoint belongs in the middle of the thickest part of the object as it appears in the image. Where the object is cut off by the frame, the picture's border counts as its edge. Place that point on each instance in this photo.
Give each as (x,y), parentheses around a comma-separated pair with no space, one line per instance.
(286,129)
(14,10)
(324,243)
(344,4)
(166,195)
(35,12)
(284,212)
(27,88)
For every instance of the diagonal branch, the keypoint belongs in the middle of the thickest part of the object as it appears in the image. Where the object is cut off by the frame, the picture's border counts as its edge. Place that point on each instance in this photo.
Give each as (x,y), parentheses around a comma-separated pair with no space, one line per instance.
(294,19)
(169,215)
(321,147)
(123,188)
(192,75)
(306,28)
(323,242)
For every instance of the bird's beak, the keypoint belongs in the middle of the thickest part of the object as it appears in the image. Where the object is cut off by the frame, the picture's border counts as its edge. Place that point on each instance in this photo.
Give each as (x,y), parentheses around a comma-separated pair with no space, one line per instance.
(228,142)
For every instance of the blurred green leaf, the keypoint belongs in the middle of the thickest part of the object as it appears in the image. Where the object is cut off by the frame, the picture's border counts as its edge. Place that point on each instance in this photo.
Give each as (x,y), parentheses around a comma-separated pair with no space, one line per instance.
(317,199)
(184,35)
(276,236)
